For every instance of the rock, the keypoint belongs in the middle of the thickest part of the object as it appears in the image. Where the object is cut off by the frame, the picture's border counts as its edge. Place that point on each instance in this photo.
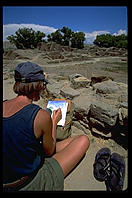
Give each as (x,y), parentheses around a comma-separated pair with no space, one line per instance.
(124,104)
(80,82)
(54,88)
(73,76)
(79,126)
(84,123)
(96,106)
(99,133)
(123,115)
(104,112)
(96,123)
(123,98)
(68,92)
(107,87)
(98,79)
(82,104)
(99,128)
(122,86)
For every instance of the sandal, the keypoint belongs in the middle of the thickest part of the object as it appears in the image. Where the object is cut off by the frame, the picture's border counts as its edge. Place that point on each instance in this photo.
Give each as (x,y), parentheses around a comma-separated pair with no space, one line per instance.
(117,172)
(101,166)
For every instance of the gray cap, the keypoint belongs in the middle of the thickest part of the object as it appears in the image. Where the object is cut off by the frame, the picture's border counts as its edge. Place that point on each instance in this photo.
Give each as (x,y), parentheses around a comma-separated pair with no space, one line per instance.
(30,72)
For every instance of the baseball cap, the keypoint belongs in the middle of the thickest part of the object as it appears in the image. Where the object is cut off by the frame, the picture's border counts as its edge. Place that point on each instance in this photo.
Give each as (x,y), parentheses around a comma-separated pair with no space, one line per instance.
(29,72)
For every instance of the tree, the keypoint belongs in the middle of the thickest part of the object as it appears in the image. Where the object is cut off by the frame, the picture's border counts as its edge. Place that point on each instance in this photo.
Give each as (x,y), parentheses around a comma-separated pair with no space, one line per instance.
(77,40)
(55,37)
(120,41)
(104,40)
(67,35)
(38,37)
(26,38)
(108,40)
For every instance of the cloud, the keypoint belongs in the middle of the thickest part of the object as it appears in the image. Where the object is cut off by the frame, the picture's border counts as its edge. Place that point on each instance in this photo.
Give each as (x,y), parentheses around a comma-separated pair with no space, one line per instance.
(120,32)
(10,29)
(90,37)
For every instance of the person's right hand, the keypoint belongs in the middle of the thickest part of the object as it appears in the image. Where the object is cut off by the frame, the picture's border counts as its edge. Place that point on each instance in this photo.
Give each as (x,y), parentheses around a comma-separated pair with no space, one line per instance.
(57,115)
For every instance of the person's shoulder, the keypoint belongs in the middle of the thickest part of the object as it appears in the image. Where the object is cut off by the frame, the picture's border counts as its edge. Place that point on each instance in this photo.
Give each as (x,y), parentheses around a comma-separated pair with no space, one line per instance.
(42,121)
(44,112)
(43,115)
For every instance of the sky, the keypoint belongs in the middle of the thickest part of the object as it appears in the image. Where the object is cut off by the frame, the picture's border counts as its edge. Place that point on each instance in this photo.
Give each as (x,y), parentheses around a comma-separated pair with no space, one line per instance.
(92,20)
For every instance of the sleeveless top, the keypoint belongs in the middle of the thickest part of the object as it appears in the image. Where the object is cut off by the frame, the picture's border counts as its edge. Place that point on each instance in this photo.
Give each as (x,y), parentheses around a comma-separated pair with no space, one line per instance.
(22,151)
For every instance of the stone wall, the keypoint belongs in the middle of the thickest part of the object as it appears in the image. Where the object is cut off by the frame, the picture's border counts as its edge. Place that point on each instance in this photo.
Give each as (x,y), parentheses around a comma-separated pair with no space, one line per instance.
(100,107)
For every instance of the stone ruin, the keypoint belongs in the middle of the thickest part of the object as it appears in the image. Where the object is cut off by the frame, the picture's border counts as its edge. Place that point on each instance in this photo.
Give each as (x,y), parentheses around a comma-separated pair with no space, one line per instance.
(98,105)
(88,50)
(52,52)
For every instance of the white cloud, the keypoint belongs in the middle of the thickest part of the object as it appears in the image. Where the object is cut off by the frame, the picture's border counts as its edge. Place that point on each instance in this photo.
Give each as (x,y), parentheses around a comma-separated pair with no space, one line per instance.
(10,29)
(90,37)
(120,32)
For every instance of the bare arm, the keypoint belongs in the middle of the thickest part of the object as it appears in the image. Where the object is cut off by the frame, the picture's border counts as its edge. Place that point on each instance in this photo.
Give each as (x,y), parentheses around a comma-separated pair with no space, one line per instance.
(47,127)
(55,119)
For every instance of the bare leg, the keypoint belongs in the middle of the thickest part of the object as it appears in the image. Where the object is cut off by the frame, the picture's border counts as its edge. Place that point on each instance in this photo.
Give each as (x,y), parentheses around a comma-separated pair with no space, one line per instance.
(70,154)
(62,144)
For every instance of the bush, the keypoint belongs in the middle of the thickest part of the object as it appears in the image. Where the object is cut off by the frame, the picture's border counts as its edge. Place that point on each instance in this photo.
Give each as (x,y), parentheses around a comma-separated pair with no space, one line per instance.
(107,40)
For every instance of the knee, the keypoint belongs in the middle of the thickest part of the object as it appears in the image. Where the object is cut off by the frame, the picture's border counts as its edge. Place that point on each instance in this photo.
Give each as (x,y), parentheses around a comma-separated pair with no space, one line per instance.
(85,142)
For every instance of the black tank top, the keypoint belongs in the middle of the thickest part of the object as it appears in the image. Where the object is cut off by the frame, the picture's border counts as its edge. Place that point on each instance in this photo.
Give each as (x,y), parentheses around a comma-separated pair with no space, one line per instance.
(21,149)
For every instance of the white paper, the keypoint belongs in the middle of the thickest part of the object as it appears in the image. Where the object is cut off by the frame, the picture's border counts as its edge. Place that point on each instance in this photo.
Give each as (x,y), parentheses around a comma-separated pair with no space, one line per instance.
(54,105)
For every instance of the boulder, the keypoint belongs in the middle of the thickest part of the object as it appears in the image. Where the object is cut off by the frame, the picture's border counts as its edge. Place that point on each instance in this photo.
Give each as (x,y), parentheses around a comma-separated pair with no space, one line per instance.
(73,76)
(98,79)
(81,127)
(79,81)
(104,112)
(96,123)
(54,88)
(106,87)
(123,116)
(82,104)
(99,133)
(99,107)
(69,93)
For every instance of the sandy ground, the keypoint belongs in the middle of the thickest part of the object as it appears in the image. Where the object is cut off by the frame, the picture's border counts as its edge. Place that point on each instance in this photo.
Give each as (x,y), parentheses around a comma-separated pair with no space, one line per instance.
(81,178)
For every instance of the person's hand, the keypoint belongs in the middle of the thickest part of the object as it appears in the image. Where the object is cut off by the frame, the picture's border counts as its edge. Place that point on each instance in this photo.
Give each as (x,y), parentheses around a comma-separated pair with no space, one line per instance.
(57,115)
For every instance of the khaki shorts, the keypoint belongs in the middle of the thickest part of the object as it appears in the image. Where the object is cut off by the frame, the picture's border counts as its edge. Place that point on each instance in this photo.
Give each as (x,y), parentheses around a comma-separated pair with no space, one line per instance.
(49,178)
